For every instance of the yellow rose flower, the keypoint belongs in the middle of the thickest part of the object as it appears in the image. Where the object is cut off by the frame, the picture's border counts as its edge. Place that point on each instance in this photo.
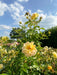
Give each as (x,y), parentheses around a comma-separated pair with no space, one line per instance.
(29,49)
(14,55)
(35,15)
(46,48)
(2,55)
(49,67)
(9,52)
(49,32)
(38,53)
(55,54)
(1,66)
(12,51)
(4,61)
(5,51)
(9,59)
(5,38)
(16,52)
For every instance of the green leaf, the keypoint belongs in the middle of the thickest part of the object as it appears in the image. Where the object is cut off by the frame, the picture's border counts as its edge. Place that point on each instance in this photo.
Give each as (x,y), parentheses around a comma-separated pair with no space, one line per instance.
(27,22)
(25,70)
(42,28)
(21,73)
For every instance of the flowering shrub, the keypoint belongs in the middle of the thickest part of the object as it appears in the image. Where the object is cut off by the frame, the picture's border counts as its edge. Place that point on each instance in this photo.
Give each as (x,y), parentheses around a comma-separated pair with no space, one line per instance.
(30,30)
(7,54)
(25,56)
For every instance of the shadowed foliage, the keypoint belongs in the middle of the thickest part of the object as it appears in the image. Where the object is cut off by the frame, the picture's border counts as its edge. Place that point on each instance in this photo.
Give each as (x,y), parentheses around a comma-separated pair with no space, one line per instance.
(52,39)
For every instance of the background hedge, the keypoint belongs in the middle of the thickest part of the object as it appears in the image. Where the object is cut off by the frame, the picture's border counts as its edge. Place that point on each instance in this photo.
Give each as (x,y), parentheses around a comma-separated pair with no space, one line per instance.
(52,39)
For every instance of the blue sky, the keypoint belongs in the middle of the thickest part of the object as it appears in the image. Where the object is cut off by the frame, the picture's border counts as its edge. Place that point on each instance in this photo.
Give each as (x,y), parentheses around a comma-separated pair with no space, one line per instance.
(12,11)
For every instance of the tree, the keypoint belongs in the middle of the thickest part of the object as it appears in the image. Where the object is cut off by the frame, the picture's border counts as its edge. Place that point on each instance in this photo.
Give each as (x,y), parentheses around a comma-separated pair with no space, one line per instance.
(17,33)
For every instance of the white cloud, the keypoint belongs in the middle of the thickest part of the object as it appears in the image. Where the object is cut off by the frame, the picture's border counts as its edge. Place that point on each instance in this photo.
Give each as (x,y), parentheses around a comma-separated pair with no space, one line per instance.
(40,11)
(3,8)
(23,0)
(4,33)
(3,27)
(56,13)
(17,12)
(43,15)
(49,21)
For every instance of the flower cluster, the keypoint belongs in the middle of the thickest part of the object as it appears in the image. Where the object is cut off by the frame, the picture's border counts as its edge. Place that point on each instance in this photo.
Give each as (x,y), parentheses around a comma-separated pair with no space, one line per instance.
(5,38)
(1,66)
(31,17)
(49,67)
(29,49)
(14,44)
(35,15)
(6,56)
(48,59)
(54,54)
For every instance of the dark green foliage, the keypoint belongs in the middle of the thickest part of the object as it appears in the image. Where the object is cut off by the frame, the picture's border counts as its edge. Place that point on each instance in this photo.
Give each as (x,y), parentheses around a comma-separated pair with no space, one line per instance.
(52,39)
(17,33)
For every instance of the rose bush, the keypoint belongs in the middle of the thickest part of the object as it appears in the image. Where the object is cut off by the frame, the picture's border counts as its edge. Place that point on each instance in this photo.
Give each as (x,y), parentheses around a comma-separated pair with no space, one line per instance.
(25,56)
